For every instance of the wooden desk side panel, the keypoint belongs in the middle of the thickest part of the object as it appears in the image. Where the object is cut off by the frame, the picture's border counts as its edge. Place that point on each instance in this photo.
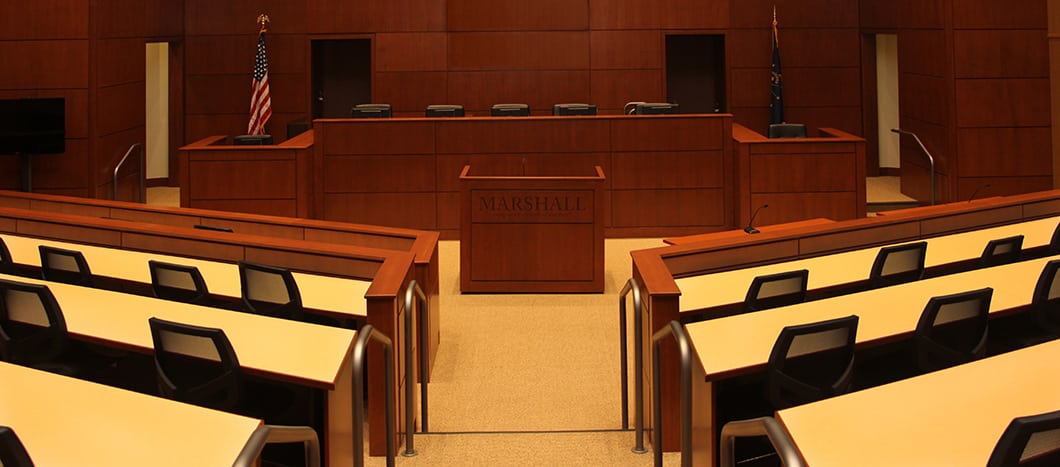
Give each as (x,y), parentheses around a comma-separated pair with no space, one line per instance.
(970,220)
(872,233)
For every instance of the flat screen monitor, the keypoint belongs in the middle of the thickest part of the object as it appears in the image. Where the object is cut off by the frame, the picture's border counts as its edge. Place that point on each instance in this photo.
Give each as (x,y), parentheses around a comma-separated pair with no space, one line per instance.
(370,111)
(33,126)
(657,108)
(574,109)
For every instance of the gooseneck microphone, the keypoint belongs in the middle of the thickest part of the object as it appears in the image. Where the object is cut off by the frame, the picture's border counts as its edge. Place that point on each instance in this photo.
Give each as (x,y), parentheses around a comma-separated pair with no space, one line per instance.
(750,223)
(976,192)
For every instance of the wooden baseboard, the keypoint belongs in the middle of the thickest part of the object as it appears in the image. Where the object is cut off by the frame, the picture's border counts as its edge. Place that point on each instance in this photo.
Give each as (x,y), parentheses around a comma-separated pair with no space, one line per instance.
(156,182)
(890,171)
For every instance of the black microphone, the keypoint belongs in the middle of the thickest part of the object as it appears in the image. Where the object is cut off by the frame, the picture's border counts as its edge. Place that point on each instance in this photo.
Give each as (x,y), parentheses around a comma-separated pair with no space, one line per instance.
(976,192)
(750,224)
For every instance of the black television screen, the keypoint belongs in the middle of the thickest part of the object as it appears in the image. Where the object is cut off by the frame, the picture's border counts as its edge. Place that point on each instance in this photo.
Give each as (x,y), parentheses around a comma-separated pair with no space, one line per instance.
(33,126)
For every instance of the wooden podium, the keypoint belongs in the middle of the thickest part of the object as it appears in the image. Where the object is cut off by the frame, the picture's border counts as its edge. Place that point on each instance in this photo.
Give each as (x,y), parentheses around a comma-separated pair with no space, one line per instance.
(527,233)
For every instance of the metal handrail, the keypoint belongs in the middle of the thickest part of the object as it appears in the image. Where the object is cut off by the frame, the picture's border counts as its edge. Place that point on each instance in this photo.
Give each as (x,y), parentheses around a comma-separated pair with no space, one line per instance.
(360,345)
(931,160)
(684,346)
(412,292)
(268,434)
(638,362)
(762,426)
(142,173)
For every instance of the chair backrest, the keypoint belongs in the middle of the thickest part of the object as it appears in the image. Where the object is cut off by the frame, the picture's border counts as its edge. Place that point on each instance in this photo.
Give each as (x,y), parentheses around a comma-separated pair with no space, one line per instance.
(776,290)
(898,264)
(573,109)
(370,111)
(953,329)
(12,452)
(178,282)
(510,110)
(1045,303)
(196,364)
(32,326)
(1032,440)
(1054,242)
(66,266)
(7,265)
(1002,251)
(811,361)
(787,130)
(444,110)
(270,291)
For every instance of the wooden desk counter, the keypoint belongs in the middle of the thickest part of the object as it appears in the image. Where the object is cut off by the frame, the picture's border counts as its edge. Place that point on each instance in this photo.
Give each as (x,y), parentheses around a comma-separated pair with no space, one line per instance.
(737,345)
(949,417)
(730,287)
(335,295)
(299,353)
(67,421)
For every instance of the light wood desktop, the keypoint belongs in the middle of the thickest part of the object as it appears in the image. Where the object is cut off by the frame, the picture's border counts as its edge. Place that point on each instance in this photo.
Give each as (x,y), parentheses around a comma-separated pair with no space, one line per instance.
(949,417)
(333,295)
(299,353)
(730,287)
(737,345)
(67,421)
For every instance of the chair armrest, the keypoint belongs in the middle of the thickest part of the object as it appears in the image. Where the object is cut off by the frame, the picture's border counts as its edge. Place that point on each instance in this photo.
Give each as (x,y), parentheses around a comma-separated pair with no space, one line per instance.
(269,434)
(762,426)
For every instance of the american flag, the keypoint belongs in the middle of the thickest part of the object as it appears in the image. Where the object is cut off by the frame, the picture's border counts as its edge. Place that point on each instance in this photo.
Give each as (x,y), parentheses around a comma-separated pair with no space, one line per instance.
(260,100)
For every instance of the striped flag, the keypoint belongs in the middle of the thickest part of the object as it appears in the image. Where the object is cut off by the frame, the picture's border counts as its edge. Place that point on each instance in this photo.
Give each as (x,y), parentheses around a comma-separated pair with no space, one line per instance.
(776,100)
(260,100)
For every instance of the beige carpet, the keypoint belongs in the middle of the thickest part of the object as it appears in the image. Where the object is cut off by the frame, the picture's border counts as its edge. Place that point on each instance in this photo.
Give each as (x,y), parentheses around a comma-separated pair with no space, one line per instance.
(529,362)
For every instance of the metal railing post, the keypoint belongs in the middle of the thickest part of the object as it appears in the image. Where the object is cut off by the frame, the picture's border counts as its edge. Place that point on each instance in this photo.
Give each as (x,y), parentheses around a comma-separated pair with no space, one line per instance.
(931,159)
(142,173)
(413,292)
(638,362)
(360,346)
(685,348)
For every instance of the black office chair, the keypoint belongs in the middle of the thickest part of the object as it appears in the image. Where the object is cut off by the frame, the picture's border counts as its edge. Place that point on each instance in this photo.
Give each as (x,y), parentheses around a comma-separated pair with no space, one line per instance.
(198,365)
(66,266)
(898,264)
(573,109)
(1054,242)
(1041,324)
(370,111)
(7,265)
(510,110)
(810,362)
(1029,441)
(787,130)
(1001,251)
(952,329)
(444,110)
(252,140)
(12,452)
(270,291)
(178,283)
(776,290)
(33,329)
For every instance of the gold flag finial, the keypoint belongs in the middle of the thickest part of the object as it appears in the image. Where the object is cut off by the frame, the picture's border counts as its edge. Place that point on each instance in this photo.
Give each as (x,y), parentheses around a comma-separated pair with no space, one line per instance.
(263,22)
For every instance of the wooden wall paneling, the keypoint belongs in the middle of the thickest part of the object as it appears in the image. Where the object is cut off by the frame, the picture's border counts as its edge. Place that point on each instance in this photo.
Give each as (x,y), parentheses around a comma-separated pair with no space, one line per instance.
(639,49)
(478,91)
(688,169)
(409,93)
(658,14)
(53,172)
(44,64)
(119,18)
(387,209)
(389,173)
(987,152)
(699,208)
(376,137)
(44,19)
(751,48)
(803,171)
(815,87)
(923,98)
(207,18)
(1000,53)
(516,15)
(879,14)
(789,207)
(340,16)
(1008,102)
(612,89)
(522,50)
(811,48)
(120,107)
(923,14)
(750,95)
(164,18)
(791,13)
(1001,186)
(514,135)
(985,14)
(669,133)
(419,52)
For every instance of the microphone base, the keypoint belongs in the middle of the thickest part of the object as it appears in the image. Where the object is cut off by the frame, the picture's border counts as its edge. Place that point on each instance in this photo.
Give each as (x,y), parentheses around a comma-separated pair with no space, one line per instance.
(750,230)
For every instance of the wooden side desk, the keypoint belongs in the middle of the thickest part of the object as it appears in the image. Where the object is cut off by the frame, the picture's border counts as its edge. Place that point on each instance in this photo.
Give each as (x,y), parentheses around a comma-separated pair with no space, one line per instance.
(337,296)
(949,417)
(67,421)
(738,345)
(299,353)
(730,287)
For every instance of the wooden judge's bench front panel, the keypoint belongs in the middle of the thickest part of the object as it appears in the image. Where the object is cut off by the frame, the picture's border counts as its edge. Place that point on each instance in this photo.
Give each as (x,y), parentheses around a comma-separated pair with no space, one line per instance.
(666,175)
